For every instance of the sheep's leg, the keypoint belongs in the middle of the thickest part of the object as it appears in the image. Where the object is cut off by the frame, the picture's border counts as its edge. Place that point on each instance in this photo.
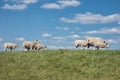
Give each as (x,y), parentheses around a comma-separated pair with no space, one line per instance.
(13,49)
(97,48)
(28,49)
(31,48)
(81,48)
(77,46)
(94,48)
(5,49)
(10,49)
(86,48)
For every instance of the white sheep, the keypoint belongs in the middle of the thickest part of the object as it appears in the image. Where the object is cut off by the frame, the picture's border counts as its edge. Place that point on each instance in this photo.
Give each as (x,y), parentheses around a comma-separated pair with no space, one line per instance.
(92,40)
(99,44)
(82,43)
(30,45)
(39,47)
(10,46)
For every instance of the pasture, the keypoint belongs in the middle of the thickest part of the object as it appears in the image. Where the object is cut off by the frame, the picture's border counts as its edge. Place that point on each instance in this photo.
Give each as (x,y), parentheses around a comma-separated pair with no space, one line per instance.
(60,65)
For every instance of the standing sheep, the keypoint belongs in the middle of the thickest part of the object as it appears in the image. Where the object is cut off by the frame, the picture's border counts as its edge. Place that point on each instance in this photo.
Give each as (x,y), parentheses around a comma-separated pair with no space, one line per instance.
(30,45)
(10,46)
(39,47)
(100,44)
(92,40)
(82,43)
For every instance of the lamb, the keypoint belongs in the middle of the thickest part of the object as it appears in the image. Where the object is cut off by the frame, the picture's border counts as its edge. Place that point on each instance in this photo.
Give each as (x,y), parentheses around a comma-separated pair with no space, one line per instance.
(10,46)
(39,47)
(82,43)
(100,44)
(30,45)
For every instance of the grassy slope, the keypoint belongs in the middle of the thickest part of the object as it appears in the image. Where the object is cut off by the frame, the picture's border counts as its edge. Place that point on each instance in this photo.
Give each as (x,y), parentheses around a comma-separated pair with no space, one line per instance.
(60,65)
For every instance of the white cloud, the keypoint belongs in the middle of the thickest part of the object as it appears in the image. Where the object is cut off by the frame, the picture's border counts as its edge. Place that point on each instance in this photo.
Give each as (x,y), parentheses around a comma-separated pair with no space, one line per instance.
(60,47)
(17,4)
(63,28)
(59,38)
(90,18)
(51,6)
(21,1)
(20,39)
(1,39)
(74,36)
(52,47)
(29,1)
(56,47)
(60,4)
(105,31)
(114,41)
(66,3)
(15,7)
(46,35)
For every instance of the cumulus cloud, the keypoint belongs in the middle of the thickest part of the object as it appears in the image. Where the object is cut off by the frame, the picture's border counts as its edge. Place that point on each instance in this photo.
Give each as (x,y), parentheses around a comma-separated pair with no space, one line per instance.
(46,35)
(105,31)
(20,39)
(60,4)
(114,41)
(51,6)
(21,1)
(15,7)
(17,4)
(90,18)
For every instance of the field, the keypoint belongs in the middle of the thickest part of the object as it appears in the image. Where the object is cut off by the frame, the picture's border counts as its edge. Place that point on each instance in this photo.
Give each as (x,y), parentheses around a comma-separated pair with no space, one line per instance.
(60,65)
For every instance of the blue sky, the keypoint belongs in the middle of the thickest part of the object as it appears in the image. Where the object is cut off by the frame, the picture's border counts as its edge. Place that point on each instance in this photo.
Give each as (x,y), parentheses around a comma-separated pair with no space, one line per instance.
(58,23)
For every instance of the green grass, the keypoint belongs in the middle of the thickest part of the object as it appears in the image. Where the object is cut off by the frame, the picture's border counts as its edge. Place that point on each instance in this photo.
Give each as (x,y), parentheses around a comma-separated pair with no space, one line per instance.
(60,65)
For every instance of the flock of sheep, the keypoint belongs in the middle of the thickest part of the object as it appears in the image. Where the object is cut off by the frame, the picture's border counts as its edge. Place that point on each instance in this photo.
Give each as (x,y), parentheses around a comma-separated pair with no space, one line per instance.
(95,42)
(29,45)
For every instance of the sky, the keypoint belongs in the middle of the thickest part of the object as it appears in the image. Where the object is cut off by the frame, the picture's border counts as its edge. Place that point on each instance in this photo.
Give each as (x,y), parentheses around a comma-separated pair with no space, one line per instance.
(58,23)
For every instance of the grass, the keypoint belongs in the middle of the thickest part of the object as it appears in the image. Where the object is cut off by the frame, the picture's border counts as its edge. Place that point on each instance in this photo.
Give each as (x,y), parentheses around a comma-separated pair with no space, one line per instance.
(60,65)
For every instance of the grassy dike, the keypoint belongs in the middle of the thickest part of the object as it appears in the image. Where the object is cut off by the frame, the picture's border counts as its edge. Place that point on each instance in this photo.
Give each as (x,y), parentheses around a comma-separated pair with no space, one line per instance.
(60,65)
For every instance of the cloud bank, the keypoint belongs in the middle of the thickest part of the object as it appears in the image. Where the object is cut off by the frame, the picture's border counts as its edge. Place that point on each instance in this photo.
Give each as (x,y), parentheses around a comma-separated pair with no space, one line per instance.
(91,18)
(114,30)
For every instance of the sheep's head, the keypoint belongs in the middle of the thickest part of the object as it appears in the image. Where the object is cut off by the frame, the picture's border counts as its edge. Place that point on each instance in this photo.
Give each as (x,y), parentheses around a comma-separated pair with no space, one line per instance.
(37,41)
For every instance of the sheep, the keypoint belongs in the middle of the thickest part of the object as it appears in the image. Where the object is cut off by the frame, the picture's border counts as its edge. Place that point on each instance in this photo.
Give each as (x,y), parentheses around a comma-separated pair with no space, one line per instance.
(82,43)
(39,47)
(92,40)
(99,44)
(30,45)
(10,46)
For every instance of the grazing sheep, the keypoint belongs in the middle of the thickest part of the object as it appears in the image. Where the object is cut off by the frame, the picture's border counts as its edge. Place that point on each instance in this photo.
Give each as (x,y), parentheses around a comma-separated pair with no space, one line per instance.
(39,47)
(10,46)
(82,43)
(30,45)
(100,44)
